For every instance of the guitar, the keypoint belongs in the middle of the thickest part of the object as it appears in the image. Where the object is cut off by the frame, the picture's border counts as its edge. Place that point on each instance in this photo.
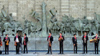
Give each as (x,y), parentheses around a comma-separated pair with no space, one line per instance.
(7,42)
(0,43)
(15,44)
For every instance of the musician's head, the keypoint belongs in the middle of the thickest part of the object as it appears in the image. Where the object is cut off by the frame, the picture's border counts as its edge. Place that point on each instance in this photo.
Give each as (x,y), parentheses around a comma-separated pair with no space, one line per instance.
(60,34)
(49,34)
(74,35)
(6,35)
(96,35)
(25,34)
(85,33)
(16,34)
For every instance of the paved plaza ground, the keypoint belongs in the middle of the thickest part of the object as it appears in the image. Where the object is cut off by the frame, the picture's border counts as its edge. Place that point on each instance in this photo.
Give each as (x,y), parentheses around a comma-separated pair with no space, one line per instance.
(54,54)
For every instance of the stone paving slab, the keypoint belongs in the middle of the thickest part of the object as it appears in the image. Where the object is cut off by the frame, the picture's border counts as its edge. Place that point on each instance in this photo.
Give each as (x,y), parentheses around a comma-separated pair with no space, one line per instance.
(54,54)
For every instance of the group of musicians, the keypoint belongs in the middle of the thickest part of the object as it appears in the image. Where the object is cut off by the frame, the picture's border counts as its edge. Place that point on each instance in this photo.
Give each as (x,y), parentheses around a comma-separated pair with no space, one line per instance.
(18,43)
(74,40)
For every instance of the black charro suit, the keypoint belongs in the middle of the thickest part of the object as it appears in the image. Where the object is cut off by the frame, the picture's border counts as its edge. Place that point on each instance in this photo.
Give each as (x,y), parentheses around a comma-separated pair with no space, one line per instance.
(74,42)
(96,44)
(50,47)
(85,39)
(61,44)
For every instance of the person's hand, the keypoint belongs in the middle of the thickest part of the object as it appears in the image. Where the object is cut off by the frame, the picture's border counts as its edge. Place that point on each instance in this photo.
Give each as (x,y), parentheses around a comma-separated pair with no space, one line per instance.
(74,44)
(98,38)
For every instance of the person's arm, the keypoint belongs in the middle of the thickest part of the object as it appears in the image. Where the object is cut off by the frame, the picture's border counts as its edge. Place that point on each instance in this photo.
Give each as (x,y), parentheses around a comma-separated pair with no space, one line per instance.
(63,38)
(21,40)
(87,37)
(9,39)
(27,39)
(52,38)
(93,37)
(14,38)
(47,38)
(98,39)
(4,39)
(82,37)
(73,40)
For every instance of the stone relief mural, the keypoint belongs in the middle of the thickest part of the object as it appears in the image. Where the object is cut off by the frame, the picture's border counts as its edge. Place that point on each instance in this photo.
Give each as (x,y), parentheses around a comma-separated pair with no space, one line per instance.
(48,23)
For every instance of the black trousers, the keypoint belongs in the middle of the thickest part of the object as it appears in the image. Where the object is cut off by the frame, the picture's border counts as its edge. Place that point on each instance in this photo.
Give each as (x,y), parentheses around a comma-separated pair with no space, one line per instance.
(17,48)
(6,49)
(84,47)
(96,48)
(25,47)
(61,47)
(49,48)
(75,48)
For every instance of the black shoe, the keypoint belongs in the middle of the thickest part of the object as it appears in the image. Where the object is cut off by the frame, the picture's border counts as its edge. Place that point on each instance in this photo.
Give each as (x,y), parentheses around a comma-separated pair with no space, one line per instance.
(83,53)
(47,53)
(59,53)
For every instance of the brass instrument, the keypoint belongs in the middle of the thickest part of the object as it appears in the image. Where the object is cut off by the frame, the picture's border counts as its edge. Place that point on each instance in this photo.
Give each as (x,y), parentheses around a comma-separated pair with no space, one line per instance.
(7,42)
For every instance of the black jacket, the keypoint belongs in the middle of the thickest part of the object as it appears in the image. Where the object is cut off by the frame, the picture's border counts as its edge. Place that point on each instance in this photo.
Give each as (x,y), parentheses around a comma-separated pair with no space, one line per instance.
(4,40)
(26,40)
(51,39)
(19,38)
(74,40)
(86,39)
(97,40)
(62,39)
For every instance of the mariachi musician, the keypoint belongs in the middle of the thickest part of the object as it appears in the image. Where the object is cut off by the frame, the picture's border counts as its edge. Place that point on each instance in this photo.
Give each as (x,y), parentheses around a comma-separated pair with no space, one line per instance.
(49,39)
(17,40)
(6,40)
(25,42)
(85,39)
(61,39)
(96,43)
(74,40)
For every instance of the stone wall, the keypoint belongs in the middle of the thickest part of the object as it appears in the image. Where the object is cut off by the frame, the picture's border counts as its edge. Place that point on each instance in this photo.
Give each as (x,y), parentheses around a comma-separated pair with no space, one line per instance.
(76,8)
(41,44)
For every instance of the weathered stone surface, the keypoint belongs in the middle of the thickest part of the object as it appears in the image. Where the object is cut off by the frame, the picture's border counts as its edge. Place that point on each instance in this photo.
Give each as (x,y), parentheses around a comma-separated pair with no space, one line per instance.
(41,44)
